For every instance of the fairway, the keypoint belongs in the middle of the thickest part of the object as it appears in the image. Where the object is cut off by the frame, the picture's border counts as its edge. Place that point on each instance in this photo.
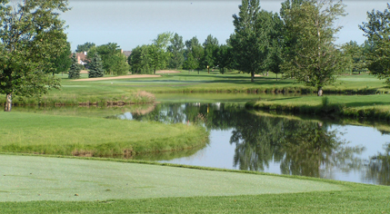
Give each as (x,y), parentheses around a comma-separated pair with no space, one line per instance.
(25,178)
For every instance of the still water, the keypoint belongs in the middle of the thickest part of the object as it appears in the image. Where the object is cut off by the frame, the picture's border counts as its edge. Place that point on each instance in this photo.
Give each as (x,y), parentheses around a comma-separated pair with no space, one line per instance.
(333,149)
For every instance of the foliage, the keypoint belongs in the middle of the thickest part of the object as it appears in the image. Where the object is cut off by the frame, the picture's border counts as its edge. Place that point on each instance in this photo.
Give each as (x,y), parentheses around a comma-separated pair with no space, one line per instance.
(85,47)
(120,65)
(111,58)
(95,67)
(354,56)
(75,68)
(210,47)
(176,52)
(378,34)
(139,60)
(312,57)
(158,53)
(252,38)
(224,59)
(63,62)
(193,54)
(32,37)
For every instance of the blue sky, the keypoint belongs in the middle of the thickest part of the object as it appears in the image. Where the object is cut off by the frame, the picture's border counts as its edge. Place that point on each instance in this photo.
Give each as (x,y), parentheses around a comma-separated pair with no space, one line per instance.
(130,23)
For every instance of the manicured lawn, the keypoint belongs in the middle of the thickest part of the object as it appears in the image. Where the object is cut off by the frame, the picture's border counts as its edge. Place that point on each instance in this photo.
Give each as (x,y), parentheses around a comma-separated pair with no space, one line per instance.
(67,135)
(57,185)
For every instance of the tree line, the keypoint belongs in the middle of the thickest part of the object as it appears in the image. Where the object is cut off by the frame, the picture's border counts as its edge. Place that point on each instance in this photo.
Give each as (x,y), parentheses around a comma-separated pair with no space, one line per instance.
(297,43)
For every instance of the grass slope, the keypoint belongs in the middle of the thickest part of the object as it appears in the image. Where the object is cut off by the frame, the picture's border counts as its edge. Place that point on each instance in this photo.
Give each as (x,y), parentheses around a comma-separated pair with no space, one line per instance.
(66,135)
(26,178)
(49,185)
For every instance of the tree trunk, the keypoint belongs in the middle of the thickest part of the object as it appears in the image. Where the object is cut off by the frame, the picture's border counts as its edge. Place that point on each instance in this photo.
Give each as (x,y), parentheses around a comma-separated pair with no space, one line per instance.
(252,76)
(8,104)
(319,93)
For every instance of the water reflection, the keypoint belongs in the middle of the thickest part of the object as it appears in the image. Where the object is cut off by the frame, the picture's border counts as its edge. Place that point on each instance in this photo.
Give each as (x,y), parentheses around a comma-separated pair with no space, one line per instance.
(262,143)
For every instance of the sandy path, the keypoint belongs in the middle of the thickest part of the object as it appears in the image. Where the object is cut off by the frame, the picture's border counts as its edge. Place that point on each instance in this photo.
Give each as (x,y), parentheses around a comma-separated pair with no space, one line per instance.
(167,72)
(119,77)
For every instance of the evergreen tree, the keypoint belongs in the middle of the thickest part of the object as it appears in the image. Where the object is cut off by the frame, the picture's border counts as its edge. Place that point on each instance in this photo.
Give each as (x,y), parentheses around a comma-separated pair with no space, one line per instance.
(95,67)
(74,71)
(313,58)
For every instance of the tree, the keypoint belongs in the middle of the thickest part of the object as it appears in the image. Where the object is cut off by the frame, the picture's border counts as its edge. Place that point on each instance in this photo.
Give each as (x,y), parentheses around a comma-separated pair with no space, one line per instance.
(354,56)
(139,60)
(95,67)
(85,47)
(377,30)
(158,53)
(120,66)
(63,62)
(74,71)
(210,47)
(176,52)
(251,40)
(31,35)
(224,58)
(193,54)
(313,58)
(109,55)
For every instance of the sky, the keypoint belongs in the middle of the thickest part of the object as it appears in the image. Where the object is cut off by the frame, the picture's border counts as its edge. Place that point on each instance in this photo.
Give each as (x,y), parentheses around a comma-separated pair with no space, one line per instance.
(130,23)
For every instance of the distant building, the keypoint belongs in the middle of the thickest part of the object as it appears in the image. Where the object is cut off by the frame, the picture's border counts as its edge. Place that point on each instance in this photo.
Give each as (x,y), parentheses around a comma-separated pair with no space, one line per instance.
(126,53)
(82,58)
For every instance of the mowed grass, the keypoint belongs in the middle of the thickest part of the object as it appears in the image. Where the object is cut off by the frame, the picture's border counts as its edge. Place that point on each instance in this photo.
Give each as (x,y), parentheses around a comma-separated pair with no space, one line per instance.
(58,185)
(67,135)
(192,82)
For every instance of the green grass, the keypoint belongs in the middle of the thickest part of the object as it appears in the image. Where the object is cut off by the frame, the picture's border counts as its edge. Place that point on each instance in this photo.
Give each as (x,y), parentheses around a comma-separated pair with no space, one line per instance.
(49,185)
(356,106)
(110,90)
(67,135)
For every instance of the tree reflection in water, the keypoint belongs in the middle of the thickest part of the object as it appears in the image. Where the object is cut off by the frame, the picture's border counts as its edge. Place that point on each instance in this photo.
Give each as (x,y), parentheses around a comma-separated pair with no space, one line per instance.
(301,147)
(379,167)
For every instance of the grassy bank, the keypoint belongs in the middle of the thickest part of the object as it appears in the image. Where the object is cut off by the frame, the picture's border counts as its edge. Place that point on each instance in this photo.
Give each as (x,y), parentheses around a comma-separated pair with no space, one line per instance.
(57,185)
(356,106)
(66,135)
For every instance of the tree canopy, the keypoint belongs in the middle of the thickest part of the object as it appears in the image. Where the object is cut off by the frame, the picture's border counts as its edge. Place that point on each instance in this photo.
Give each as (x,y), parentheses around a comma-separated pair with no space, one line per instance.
(32,36)
(85,47)
(377,30)
(312,57)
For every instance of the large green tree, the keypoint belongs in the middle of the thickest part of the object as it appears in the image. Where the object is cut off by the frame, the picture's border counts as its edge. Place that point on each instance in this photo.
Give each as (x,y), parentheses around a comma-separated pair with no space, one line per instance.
(158,52)
(354,56)
(252,38)
(193,54)
(32,35)
(313,58)
(63,62)
(139,60)
(176,52)
(377,30)
(210,46)
(110,56)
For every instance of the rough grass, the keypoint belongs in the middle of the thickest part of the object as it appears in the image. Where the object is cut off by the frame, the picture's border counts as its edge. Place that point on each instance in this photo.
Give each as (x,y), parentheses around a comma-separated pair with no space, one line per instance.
(45,134)
(56,185)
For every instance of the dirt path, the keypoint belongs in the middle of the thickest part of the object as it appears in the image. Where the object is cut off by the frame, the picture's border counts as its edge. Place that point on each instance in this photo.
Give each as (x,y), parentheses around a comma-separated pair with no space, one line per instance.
(119,77)
(167,72)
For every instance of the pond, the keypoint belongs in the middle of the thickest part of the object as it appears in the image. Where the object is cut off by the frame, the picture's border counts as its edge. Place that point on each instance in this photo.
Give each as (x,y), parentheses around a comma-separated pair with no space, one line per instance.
(282,144)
